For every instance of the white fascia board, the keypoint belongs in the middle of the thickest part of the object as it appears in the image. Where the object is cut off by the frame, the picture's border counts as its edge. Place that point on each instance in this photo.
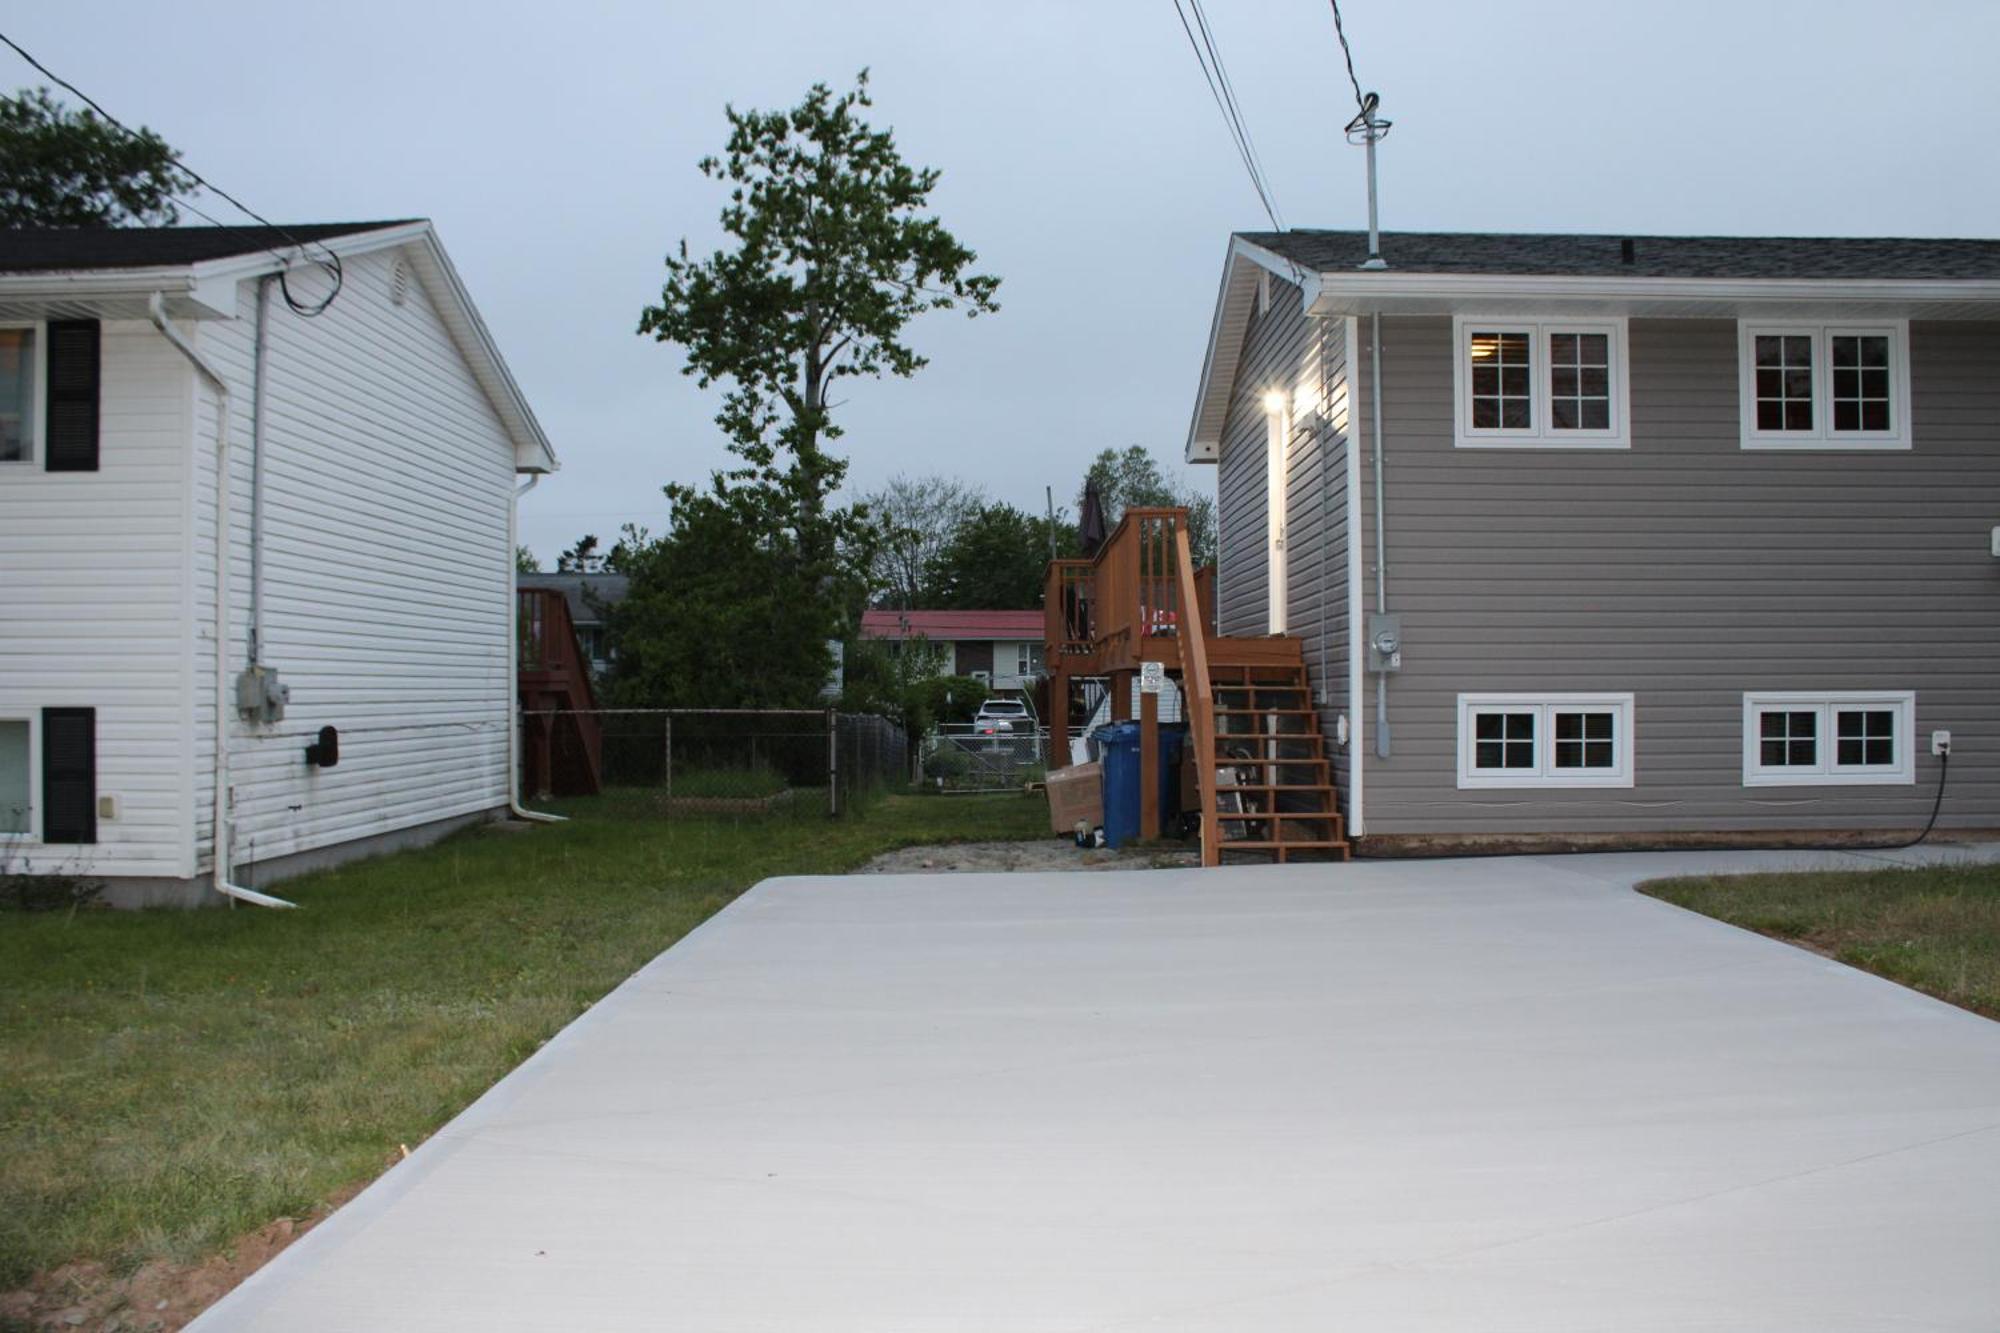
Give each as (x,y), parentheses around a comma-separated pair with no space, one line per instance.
(532,451)
(1351,292)
(1219,361)
(103,293)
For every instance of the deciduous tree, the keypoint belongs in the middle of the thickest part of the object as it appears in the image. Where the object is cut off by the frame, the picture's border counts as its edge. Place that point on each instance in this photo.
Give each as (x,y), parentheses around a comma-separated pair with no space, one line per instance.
(63,168)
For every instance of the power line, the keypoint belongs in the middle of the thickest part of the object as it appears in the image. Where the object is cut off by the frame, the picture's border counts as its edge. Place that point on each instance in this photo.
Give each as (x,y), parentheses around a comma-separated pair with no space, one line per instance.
(1347,54)
(332,261)
(1204,52)
(1235,110)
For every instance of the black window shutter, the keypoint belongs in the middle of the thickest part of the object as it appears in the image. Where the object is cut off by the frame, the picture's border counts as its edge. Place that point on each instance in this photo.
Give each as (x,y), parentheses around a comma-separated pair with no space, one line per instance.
(69,775)
(73,365)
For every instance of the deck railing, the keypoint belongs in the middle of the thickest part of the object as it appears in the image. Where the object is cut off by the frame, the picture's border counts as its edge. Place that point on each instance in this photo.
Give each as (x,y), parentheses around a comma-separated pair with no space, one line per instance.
(1130,591)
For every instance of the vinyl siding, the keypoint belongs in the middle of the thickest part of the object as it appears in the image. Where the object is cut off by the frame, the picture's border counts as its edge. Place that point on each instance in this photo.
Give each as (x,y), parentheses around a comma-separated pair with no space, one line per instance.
(1307,360)
(92,611)
(388,480)
(1689,571)
(1277,354)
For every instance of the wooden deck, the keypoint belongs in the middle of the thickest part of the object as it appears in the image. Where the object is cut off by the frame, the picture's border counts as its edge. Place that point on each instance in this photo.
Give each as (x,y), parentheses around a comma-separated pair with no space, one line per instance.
(1140,599)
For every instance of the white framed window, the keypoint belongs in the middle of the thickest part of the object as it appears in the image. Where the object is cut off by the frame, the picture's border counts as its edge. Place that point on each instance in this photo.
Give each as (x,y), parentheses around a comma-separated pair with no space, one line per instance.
(19,767)
(1824,386)
(1545,740)
(1541,384)
(21,412)
(1027,659)
(1829,738)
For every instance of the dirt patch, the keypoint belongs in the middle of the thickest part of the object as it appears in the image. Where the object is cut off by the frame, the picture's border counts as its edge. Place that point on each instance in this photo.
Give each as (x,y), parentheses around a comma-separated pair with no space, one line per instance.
(157,1298)
(1046,855)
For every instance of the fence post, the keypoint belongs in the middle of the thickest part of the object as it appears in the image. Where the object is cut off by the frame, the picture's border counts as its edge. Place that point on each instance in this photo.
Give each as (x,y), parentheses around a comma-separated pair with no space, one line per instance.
(832,763)
(670,756)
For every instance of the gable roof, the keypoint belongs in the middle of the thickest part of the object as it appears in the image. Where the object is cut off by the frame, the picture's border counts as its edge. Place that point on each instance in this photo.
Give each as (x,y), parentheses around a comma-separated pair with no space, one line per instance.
(947,625)
(1824,258)
(68,248)
(588,594)
(113,272)
(1777,277)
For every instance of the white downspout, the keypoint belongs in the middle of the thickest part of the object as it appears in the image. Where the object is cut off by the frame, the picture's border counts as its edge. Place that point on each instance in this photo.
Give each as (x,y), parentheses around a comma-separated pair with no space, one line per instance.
(157,308)
(514,806)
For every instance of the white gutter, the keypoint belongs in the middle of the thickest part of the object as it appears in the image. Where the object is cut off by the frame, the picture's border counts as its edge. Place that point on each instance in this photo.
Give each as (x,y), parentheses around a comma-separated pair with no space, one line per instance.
(514,806)
(157,308)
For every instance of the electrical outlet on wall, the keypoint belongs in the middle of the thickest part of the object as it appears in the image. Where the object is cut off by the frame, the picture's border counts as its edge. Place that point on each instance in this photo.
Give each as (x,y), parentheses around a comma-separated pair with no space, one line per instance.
(1940,742)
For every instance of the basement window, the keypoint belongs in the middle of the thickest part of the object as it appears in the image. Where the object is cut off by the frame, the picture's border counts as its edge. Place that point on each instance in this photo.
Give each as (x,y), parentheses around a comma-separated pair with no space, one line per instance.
(1839,738)
(1544,740)
(1825,386)
(1541,384)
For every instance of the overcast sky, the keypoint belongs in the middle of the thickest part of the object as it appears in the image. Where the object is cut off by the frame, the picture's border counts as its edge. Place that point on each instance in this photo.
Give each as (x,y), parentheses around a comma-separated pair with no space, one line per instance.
(554,146)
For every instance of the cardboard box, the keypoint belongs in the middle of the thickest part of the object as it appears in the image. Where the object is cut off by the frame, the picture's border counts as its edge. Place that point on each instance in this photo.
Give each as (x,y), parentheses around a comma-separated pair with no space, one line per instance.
(1075,793)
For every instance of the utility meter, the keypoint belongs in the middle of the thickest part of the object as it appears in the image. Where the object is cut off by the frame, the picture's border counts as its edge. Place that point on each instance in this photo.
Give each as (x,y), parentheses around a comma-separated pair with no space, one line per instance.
(1385,643)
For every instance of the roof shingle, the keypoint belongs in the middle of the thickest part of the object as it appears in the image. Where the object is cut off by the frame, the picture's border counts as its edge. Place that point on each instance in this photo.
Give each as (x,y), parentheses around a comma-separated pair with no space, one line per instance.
(1551,255)
(84,248)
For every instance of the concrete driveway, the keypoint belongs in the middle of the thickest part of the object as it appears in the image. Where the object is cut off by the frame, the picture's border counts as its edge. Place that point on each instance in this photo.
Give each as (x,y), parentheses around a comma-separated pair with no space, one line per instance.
(1502,1094)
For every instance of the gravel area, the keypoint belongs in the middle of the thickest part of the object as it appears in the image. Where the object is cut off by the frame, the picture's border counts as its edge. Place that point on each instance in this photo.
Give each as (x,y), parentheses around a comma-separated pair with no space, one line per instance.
(1048,854)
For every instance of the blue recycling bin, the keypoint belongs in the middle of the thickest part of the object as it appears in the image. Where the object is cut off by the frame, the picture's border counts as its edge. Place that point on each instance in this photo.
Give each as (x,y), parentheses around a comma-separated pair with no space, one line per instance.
(1118,751)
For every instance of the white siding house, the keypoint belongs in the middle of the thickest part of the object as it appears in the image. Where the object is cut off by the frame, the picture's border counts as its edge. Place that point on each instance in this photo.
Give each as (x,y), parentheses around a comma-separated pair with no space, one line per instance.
(370,551)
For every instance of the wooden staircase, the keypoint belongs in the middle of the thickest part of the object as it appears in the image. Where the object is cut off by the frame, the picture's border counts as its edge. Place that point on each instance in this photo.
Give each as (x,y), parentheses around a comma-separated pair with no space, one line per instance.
(1273,792)
(562,741)
(1266,780)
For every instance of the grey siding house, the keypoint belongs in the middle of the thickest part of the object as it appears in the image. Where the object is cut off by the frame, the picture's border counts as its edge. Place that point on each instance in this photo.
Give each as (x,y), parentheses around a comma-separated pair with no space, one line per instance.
(1677,535)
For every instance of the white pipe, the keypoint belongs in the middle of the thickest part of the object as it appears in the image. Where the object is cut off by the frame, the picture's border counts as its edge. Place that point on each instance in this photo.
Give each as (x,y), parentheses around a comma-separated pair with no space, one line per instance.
(1381,542)
(254,640)
(514,806)
(157,308)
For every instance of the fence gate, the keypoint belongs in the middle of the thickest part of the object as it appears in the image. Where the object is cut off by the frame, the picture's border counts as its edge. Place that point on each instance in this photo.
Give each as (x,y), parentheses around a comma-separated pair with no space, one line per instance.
(973,757)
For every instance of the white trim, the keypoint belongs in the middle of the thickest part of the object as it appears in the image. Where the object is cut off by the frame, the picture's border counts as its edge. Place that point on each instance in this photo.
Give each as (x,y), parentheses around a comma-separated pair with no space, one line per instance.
(1541,433)
(38,379)
(1357,746)
(1545,774)
(1827,772)
(1277,465)
(1823,435)
(32,837)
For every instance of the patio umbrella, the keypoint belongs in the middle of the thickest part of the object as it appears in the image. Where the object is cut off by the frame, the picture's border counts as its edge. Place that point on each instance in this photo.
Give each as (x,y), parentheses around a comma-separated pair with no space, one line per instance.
(1091,527)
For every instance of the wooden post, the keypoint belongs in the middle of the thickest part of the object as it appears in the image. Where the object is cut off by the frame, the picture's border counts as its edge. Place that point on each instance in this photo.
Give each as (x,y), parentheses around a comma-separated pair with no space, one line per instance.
(1149,765)
(1121,696)
(1058,756)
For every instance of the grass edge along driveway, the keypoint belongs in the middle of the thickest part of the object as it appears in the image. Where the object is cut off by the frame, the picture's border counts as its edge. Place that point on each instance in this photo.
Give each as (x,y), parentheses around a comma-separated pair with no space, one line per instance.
(176,1079)
(1935,929)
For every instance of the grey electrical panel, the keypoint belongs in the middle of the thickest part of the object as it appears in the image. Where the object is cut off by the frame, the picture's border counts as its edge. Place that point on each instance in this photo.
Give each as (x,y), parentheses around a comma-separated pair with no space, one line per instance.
(1385,643)
(261,696)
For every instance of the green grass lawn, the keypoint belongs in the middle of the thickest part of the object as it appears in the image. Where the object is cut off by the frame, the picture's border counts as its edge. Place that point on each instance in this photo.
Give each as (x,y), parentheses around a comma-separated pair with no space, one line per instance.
(1934,929)
(175,1079)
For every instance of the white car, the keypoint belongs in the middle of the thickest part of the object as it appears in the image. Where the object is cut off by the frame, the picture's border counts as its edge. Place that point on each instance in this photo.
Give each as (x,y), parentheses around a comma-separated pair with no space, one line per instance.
(999,717)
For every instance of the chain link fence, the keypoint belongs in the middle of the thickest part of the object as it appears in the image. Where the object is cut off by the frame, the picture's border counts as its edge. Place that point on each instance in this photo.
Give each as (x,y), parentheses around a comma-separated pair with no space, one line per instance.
(695,762)
(979,757)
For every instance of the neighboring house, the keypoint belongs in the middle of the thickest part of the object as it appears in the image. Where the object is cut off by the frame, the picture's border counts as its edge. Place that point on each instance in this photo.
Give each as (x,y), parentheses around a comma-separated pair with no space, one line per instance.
(588,596)
(1676,535)
(358,662)
(1002,648)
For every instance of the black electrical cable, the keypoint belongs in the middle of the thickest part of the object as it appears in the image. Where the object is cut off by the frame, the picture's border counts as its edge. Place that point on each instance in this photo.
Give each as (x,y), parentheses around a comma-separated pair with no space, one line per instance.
(332,261)
(1360,98)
